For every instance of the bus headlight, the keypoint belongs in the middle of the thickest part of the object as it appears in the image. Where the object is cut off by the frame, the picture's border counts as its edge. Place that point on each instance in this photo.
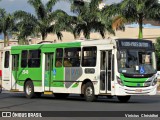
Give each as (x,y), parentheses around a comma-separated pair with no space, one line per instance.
(154,82)
(147,84)
(119,81)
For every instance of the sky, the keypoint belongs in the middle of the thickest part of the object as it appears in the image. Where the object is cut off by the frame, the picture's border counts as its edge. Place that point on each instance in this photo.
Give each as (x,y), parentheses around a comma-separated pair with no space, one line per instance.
(13,5)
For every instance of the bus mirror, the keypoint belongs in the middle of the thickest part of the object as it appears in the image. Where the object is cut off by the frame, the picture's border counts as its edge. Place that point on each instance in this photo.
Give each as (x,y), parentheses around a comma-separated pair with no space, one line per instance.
(137,68)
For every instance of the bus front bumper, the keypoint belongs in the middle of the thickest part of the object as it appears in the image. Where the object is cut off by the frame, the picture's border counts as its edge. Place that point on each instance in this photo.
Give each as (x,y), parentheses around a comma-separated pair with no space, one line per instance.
(123,90)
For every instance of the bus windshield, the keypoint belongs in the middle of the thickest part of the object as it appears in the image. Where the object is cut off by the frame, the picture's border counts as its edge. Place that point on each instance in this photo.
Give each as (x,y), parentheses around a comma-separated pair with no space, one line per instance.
(136,62)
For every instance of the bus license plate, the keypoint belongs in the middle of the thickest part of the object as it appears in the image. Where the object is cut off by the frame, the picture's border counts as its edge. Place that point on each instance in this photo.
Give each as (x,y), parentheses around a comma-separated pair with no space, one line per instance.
(138,90)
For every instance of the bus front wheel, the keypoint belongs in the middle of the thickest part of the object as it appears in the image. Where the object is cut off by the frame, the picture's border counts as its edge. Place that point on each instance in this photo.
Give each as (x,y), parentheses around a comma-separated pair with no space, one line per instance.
(89,92)
(123,99)
(29,89)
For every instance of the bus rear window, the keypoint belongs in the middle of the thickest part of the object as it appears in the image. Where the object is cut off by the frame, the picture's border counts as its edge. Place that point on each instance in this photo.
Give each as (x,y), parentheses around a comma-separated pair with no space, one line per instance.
(6,61)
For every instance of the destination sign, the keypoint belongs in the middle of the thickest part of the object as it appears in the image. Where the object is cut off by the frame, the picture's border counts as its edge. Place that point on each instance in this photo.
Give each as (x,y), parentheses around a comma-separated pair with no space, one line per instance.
(135,44)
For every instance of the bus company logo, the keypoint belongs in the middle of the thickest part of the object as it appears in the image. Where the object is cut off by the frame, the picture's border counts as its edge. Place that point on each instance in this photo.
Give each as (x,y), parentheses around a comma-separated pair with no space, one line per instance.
(6,114)
(138,84)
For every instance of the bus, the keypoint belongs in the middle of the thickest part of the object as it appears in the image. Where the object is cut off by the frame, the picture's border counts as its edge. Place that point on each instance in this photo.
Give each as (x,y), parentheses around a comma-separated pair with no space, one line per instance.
(90,68)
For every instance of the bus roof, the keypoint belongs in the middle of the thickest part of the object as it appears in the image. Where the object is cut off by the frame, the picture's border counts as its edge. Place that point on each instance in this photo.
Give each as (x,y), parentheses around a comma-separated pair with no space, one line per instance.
(64,44)
(75,43)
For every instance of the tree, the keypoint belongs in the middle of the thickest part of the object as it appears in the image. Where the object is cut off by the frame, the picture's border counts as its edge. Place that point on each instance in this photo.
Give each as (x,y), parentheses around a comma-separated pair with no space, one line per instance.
(6,25)
(44,21)
(24,29)
(90,18)
(129,11)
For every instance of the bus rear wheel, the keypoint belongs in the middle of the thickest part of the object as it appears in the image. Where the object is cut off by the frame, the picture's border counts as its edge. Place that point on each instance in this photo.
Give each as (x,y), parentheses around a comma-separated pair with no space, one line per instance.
(61,95)
(123,99)
(89,92)
(29,89)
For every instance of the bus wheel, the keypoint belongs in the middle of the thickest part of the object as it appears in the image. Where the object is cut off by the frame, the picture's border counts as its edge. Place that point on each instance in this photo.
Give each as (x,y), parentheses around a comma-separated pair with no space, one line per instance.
(109,96)
(29,89)
(123,99)
(61,95)
(89,92)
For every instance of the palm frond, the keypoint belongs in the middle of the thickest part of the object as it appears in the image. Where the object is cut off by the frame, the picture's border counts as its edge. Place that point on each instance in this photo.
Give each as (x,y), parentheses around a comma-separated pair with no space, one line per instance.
(50,5)
(39,8)
(118,21)
(24,15)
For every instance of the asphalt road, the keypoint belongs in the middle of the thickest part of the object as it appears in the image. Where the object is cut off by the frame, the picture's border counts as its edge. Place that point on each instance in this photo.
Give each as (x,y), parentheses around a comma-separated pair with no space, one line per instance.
(18,102)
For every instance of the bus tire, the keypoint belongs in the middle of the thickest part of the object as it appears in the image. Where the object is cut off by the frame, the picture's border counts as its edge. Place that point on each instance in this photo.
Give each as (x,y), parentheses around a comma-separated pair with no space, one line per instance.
(61,95)
(123,99)
(29,89)
(89,92)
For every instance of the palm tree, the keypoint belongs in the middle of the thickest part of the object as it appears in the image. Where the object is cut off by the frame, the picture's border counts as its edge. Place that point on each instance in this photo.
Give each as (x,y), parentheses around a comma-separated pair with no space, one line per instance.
(6,25)
(24,29)
(44,21)
(129,11)
(90,18)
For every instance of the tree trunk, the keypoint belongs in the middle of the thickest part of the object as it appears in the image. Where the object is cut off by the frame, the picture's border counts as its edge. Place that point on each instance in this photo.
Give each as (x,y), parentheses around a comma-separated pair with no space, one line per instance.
(5,39)
(43,36)
(87,35)
(140,22)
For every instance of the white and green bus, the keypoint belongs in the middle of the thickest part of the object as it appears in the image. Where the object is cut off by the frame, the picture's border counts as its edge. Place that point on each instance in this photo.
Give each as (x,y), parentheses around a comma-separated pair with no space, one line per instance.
(90,68)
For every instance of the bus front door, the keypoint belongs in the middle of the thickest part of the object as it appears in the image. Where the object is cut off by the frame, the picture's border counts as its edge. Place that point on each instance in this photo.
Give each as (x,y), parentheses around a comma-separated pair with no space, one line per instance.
(48,71)
(15,65)
(106,69)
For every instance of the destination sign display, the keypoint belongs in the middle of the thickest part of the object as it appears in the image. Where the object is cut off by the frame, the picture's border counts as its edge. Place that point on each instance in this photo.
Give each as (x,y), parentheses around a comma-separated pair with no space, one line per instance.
(135,44)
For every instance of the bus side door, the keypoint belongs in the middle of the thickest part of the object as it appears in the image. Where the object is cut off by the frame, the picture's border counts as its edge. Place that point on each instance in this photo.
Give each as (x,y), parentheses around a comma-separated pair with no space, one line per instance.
(15,65)
(48,71)
(106,71)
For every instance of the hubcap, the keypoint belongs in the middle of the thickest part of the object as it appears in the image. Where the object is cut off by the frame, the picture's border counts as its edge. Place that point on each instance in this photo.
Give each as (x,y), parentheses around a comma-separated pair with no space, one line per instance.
(28,89)
(89,91)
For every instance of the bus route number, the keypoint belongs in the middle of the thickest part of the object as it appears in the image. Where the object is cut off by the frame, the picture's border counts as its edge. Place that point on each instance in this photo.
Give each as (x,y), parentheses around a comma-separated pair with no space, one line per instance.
(25,72)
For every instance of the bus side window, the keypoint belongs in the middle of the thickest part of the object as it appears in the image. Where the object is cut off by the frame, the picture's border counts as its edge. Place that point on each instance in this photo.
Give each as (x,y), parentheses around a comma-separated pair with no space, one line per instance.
(89,56)
(6,61)
(15,62)
(24,58)
(34,58)
(59,57)
(72,57)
